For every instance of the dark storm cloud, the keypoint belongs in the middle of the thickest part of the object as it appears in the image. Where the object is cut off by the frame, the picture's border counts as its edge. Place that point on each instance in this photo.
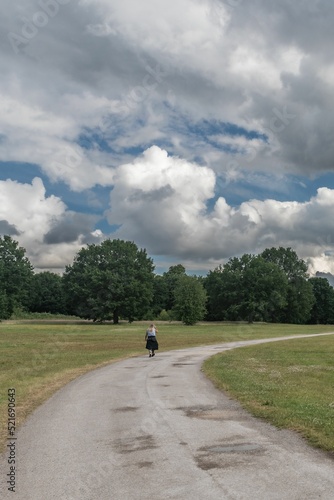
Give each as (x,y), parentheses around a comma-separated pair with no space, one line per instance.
(88,46)
(9,229)
(70,229)
(156,195)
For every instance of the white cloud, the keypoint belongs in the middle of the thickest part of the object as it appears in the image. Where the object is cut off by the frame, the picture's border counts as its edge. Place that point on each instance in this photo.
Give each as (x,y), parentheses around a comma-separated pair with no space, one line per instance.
(33,214)
(48,139)
(161,202)
(26,207)
(158,199)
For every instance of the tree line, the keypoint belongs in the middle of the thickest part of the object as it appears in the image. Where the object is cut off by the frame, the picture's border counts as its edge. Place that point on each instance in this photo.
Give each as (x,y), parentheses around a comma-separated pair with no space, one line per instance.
(115,280)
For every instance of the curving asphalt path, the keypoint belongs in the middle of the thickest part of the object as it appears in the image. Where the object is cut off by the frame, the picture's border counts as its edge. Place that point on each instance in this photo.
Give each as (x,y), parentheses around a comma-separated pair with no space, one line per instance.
(157,429)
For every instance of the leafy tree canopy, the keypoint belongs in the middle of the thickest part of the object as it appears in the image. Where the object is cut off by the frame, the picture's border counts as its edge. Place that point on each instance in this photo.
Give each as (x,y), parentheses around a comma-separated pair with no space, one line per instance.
(323,308)
(272,286)
(300,297)
(287,260)
(16,273)
(171,278)
(160,295)
(253,289)
(190,299)
(47,294)
(110,280)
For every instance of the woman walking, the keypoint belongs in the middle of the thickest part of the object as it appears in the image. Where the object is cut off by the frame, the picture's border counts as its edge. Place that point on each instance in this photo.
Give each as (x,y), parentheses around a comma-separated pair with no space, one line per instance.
(151,340)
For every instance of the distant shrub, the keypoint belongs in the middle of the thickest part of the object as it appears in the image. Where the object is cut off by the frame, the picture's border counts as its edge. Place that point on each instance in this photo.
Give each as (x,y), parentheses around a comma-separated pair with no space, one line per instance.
(165,316)
(21,314)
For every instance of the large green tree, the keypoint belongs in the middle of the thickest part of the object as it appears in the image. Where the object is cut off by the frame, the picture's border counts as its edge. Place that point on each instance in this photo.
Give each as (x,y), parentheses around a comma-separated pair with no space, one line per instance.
(47,294)
(300,298)
(4,310)
(110,280)
(250,289)
(287,260)
(213,283)
(16,274)
(190,299)
(160,295)
(323,308)
(171,278)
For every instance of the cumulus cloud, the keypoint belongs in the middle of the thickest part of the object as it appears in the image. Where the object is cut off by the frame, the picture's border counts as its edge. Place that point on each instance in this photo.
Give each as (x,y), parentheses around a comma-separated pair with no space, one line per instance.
(42,224)
(162,202)
(168,206)
(69,228)
(158,200)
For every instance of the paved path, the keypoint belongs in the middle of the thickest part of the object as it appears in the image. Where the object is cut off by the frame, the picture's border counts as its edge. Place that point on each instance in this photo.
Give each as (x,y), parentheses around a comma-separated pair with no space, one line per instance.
(157,429)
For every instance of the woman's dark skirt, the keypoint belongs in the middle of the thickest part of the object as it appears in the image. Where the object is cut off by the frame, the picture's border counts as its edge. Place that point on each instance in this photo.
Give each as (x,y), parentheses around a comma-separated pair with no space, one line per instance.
(152,344)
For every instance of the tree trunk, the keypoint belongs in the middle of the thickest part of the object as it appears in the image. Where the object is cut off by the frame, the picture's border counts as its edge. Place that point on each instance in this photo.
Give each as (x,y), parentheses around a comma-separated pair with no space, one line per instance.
(115,318)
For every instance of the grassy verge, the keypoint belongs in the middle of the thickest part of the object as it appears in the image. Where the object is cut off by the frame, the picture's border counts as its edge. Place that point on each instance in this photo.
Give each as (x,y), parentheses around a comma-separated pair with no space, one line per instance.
(289,383)
(39,357)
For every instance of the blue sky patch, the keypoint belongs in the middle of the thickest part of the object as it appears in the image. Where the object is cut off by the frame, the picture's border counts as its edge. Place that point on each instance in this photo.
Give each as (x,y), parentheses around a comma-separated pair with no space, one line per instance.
(21,172)
(264,186)
(91,201)
(92,140)
(206,128)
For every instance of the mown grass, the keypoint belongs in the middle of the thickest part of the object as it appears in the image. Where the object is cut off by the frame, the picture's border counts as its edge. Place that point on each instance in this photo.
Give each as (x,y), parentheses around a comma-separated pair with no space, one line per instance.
(39,357)
(288,383)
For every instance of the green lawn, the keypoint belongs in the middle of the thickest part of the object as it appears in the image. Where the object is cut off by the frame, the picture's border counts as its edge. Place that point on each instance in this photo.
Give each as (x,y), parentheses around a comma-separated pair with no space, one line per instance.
(289,383)
(39,357)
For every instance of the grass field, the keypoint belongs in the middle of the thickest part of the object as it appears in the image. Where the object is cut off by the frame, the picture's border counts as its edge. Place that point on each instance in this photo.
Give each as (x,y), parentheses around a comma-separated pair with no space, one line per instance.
(39,357)
(288,383)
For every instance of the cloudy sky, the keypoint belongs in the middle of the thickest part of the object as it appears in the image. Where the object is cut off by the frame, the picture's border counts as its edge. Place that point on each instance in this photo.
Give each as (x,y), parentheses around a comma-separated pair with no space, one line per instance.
(199,129)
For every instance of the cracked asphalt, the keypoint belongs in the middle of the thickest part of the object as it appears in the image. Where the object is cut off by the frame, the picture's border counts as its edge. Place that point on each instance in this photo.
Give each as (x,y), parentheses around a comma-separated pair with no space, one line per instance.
(158,429)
